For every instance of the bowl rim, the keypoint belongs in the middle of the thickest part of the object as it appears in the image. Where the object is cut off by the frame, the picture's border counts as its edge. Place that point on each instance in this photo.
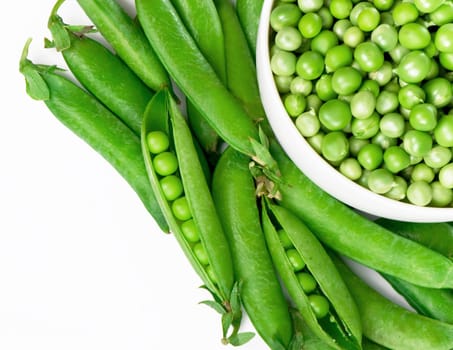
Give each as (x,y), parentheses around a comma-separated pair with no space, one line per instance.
(311,163)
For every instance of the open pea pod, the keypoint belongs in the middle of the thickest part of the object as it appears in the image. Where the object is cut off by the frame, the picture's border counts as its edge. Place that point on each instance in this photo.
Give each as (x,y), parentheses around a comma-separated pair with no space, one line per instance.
(312,281)
(177,177)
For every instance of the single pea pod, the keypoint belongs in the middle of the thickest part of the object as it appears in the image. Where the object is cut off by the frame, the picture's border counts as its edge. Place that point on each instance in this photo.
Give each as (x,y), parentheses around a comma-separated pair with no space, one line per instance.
(391,325)
(312,281)
(127,39)
(436,236)
(194,75)
(101,72)
(176,175)
(240,64)
(249,12)
(350,234)
(233,191)
(86,117)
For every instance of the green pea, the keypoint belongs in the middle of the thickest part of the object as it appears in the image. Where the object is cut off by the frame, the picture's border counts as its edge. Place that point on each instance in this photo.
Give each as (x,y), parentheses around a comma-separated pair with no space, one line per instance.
(350,167)
(335,146)
(353,36)
(423,117)
(283,83)
(326,17)
(285,15)
(380,181)
(439,92)
(371,86)
(422,172)
(411,95)
(301,86)
(324,41)
(446,60)
(369,56)
(370,156)
(284,239)
(398,190)
(319,304)
(438,156)
(308,124)
(392,125)
(310,5)
(340,27)
(414,67)
(443,133)
(315,141)
(335,114)
(310,65)
(446,176)
(307,282)
(362,104)
(356,10)
(385,36)
(288,38)
(158,141)
(201,254)
(442,196)
(171,187)
(419,193)
(211,274)
(365,128)
(443,39)
(310,25)
(396,159)
(314,102)
(324,89)
(190,231)
(165,163)
(417,143)
(384,141)
(383,5)
(295,104)
(340,9)
(398,52)
(383,75)
(346,80)
(442,15)
(180,209)
(414,36)
(387,102)
(283,63)
(295,259)
(368,19)
(337,57)
(404,12)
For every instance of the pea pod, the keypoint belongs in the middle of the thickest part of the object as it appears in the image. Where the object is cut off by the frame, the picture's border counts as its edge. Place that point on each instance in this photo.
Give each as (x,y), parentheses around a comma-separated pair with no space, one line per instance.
(391,325)
(233,191)
(249,12)
(101,72)
(339,325)
(198,229)
(347,232)
(96,125)
(194,75)
(370,345)
(127,39)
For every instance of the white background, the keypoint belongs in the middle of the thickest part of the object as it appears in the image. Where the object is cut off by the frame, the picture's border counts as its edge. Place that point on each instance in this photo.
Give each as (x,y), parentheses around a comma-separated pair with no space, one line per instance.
(82,264)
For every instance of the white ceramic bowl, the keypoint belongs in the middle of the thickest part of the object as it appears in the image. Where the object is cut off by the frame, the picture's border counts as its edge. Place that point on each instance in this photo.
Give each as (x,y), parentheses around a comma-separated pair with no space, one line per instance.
(313,165)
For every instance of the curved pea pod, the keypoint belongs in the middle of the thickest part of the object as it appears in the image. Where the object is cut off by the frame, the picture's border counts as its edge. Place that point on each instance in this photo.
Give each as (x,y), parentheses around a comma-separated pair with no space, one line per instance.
(102,73)
(338,327)
(391,325)
(249,12)
(233,191)
(436,236)
(204,243)
(127,39)
(352,235)
(86,117)
(194,75)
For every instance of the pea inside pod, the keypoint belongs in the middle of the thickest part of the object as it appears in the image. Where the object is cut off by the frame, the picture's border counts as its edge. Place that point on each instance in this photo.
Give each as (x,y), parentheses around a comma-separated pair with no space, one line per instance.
(186,201)
(311,279)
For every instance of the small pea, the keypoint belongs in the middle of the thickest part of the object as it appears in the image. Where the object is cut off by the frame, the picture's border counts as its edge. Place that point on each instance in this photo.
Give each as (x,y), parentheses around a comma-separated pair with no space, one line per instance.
(443,133)
(295,259)
(288,39)
(417,143)
(200,253)
(171,186)
(423,117)
(284,239)
(370,156)
(157,141)
(392,125)
(363,104)
(446,176)
(422,172)
(351,168)
(295,104)
(365,128)
(211,274)
(165,163)
(180,209)
(315,141)
(308,124)
(384,141)
(380,181)
(190,231)
(419,193)
(307,282)
(319,304)
(335,146)
(438,156)
(335,114)
(283,63)
(356,144)
(442,196)
(301,86)
(398,190)
(396,159)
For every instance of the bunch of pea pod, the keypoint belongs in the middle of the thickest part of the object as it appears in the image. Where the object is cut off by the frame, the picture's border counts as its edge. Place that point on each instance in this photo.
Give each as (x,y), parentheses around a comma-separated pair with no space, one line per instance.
(175,109)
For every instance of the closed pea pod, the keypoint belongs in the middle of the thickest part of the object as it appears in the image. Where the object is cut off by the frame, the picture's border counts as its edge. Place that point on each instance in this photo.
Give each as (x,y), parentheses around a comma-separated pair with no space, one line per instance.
(249,12)
(127,39)
(194,75)
(192,217)
(96,125)
(234,195)
(347,232)
(339,325)
(391,325)
(119,88)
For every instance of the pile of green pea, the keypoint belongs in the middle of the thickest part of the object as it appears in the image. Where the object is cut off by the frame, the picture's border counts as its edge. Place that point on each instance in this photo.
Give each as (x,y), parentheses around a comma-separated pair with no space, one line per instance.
(165,165)
(369,85)
(318,302)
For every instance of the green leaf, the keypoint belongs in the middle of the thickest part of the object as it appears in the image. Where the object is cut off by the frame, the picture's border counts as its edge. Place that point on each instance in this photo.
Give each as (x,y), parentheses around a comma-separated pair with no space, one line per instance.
(60,35)
(227,321)
(215,305)
(235,298)
(241,338)
(36,86)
